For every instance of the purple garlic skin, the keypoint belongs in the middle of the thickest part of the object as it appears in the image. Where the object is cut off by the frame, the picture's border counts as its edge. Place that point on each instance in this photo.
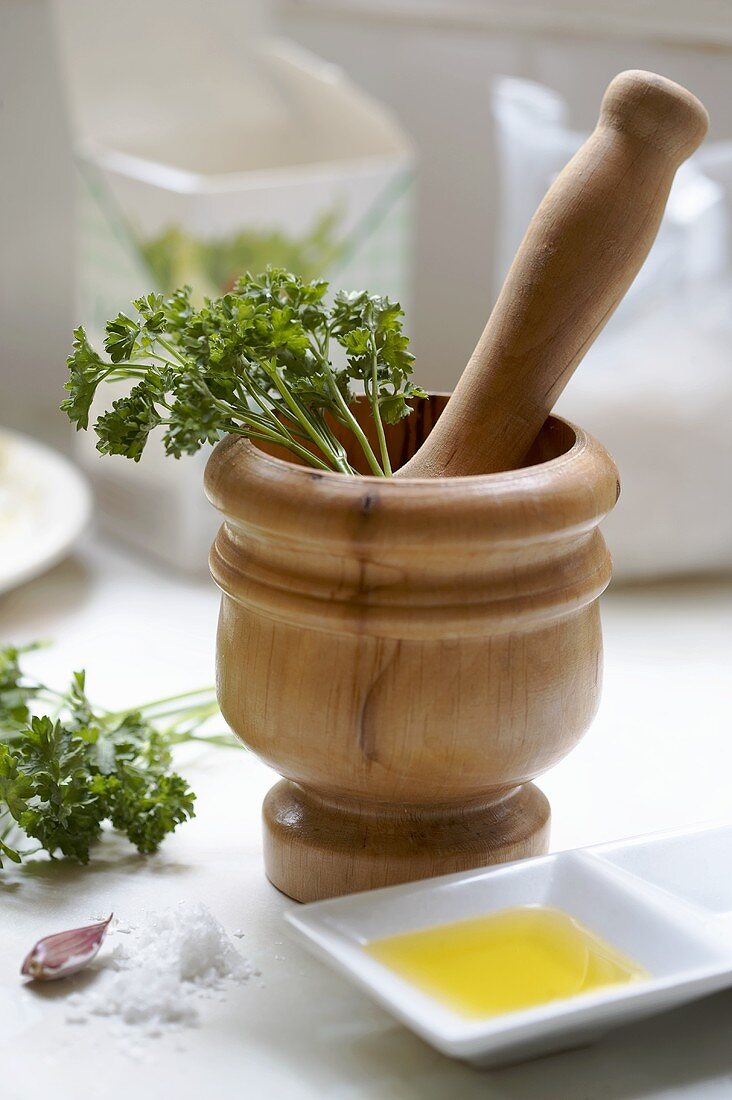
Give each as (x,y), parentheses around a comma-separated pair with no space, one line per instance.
(64,953)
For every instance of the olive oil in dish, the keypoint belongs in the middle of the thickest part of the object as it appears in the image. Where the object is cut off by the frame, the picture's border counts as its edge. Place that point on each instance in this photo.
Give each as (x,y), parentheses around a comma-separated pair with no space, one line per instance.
(513,959)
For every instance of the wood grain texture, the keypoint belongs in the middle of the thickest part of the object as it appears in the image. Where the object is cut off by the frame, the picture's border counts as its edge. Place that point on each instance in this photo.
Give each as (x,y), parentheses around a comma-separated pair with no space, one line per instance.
(582,250)
(408,654)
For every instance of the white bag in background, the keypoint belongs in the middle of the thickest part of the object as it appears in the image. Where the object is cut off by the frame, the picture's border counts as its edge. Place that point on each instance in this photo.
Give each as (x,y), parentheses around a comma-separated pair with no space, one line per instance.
(656,388)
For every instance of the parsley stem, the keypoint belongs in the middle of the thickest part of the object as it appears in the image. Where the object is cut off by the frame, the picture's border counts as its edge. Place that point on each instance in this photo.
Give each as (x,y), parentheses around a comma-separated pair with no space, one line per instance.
(376,412)
(321,351)
(246,417)
(307,424)
(227,741)
(202,711)
(122,372)
(176,354)
(146,707)
(276,418)
(337,446)
(289,443)
(358,431)
(286,412)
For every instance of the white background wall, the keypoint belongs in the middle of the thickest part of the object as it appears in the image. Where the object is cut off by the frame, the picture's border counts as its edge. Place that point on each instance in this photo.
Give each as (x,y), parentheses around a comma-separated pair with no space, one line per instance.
(36,186)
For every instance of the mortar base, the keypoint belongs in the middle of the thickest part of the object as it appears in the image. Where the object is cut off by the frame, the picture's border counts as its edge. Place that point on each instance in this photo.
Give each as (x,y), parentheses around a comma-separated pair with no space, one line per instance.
(315,849)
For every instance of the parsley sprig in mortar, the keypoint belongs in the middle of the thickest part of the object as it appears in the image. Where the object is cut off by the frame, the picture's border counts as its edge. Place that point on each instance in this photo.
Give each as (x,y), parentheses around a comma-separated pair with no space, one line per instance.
(256,362)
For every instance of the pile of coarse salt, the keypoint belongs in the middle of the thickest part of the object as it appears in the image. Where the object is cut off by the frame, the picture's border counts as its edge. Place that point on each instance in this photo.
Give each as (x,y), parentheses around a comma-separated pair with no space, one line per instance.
(158,969)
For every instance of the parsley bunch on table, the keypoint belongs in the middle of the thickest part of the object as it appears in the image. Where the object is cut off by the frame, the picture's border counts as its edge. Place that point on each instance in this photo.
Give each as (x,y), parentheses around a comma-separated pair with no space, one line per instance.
(257,362)
(67,767)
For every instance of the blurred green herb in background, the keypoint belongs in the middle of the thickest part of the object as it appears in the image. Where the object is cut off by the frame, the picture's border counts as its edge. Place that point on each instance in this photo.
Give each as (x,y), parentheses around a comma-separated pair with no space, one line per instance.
(212,266)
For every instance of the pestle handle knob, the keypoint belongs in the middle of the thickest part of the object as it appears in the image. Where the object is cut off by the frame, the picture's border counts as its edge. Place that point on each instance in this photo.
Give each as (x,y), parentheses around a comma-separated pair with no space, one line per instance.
(582,250)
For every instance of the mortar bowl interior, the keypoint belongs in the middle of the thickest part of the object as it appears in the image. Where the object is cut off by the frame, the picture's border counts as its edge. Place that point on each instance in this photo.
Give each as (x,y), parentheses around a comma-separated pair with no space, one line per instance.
(404,439)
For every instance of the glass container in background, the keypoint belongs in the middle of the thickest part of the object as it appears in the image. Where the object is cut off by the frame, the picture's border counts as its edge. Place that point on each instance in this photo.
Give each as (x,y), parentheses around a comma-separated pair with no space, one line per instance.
(215,160)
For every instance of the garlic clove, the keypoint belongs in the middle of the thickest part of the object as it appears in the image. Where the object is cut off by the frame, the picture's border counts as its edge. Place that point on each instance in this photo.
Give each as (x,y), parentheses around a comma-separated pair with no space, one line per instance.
(64,953)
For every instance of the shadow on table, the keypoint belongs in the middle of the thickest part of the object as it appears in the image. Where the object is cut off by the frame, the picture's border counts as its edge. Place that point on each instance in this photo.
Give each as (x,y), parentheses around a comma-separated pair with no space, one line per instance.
(40,877)
(678,1051)
(65,587)
(62,990)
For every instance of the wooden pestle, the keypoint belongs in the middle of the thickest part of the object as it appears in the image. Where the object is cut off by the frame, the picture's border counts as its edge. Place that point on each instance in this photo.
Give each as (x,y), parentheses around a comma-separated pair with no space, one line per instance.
(582,250)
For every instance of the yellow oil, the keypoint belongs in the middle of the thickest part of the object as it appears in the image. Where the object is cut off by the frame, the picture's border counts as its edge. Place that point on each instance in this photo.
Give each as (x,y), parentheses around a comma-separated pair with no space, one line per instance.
(505,961)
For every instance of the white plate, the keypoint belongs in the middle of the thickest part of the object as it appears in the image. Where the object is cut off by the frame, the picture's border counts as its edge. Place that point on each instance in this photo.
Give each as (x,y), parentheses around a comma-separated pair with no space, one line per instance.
(623,897)
(45,504)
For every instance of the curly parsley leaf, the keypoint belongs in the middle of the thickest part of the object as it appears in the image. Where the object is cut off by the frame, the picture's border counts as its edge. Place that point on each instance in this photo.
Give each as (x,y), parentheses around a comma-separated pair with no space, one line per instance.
(65,815)
(145,807)
(86,370)
(124,430)
(15,787)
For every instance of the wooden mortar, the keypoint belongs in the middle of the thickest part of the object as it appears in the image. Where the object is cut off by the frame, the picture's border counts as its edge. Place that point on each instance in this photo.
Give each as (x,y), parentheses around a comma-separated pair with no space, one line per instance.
(408,653)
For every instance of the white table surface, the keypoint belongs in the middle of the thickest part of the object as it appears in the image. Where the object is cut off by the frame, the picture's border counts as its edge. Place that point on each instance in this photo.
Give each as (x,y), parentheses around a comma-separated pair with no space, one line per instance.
(658,755)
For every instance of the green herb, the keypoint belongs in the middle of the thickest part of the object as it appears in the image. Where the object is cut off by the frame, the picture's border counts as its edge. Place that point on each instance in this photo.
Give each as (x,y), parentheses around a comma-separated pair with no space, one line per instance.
(67,767)
(212,265)
(255,362)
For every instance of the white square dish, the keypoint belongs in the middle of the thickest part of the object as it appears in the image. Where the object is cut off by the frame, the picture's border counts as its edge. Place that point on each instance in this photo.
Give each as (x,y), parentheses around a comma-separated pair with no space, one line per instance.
(685,959)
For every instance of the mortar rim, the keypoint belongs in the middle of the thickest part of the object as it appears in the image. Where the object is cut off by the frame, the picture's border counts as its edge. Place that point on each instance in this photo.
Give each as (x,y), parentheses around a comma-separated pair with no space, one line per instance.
(582,439)
(253,490)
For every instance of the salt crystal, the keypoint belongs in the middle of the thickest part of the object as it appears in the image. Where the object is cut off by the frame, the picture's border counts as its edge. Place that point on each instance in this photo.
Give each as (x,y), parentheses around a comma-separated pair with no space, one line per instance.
(169,959)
